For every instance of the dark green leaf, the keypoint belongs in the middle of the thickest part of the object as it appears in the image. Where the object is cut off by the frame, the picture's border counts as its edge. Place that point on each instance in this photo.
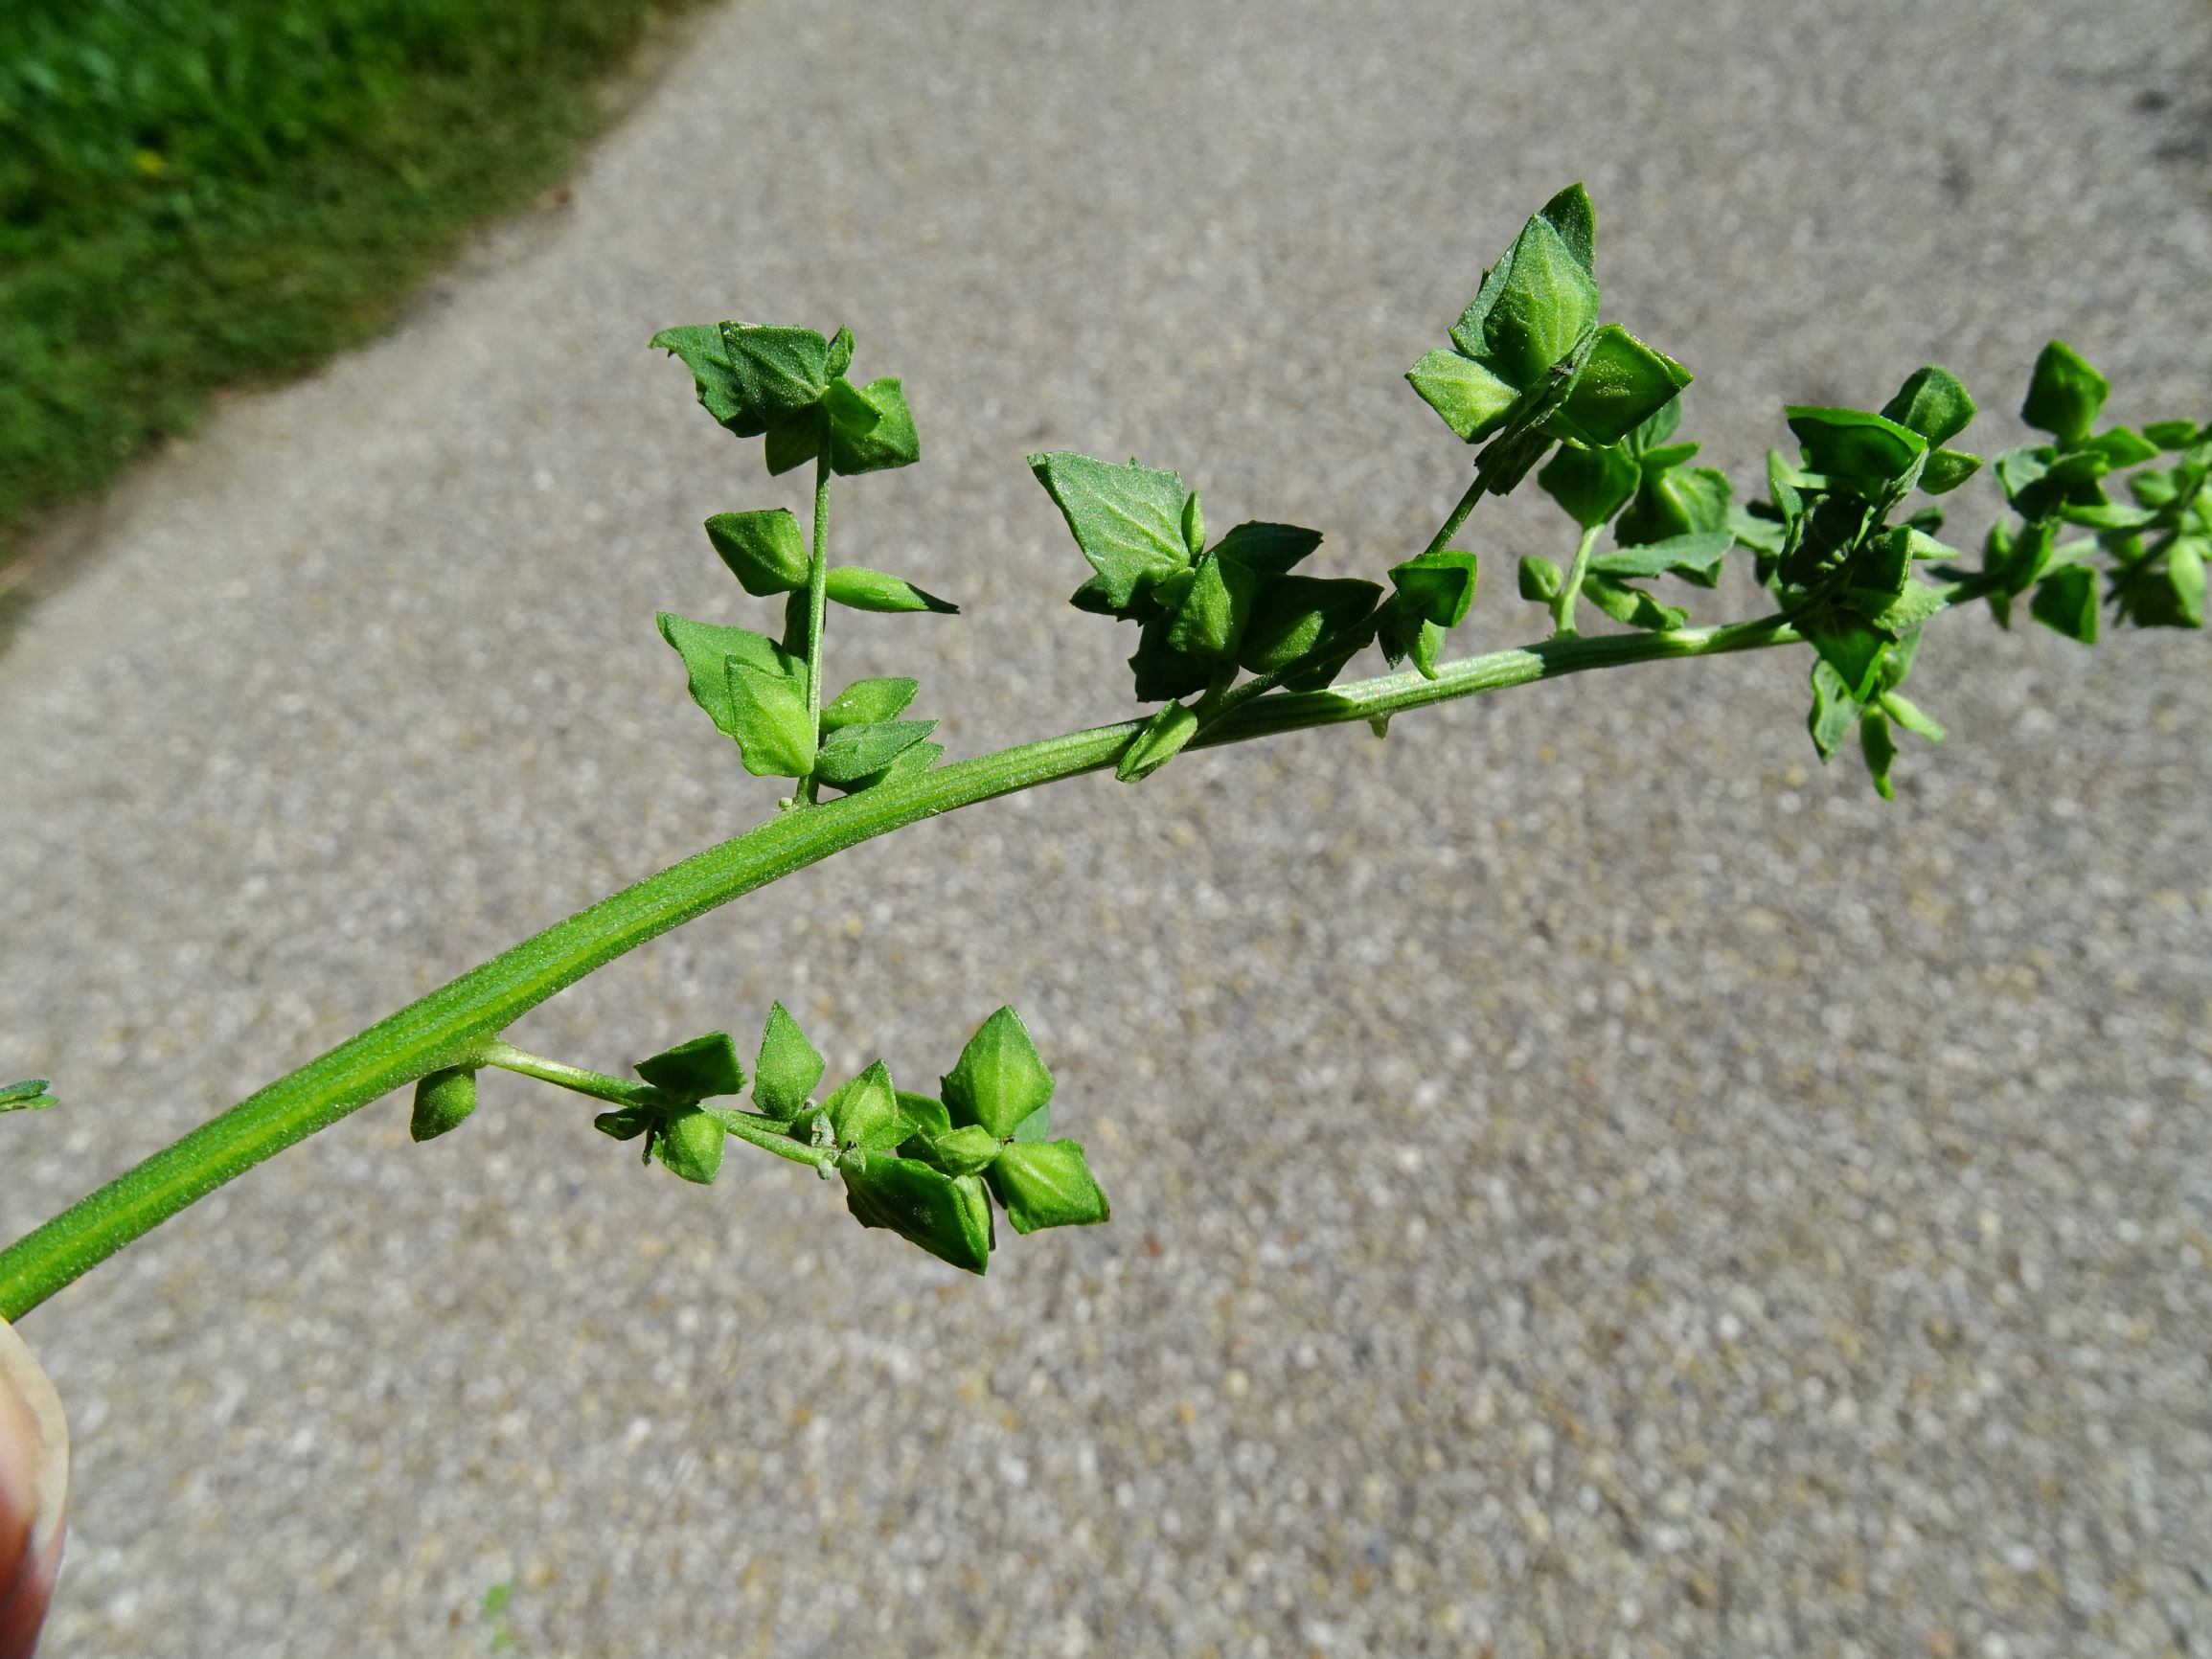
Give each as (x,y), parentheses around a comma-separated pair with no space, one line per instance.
(2063,394)
(1571,214)
(841,356)
(1591,485)
(863,589)
(1645,442)
(853,752)
(1676,501)
(1541,580)
(762,549)
(1632,606)
(787,1068)
(948,1216)
(2171,434)
(1210,619)
(1878,745)
(2122,447)
(926,1112)
(1835,710)
(689,1145)
(627,1123)
(770,721)
(1913,605)
(1127,520)
(707,648)
(700,346)
(968,1151)
(2185,577)
(1622,384)
(864,1113)
(1047,1183)
(441,1100)
(1848,645)
(1697,557)
(1161,670)
(794,439)
(1851,444)
(919,758)
(998,1079)
(28,1096)
(695,1070)
(1293,614)
(1436,587)
(864,702)
(1267,549)
(2170,595)
(871,428)
(1933,402)
(2067,600)
(1473,397)
(1163,737)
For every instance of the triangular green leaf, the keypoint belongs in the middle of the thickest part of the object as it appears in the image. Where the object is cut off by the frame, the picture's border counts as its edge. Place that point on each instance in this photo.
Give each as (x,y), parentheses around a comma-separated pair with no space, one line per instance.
(788,1069)
(1630,605)
(863,589)
(1163,737)
(762,549)
(707,650)
(1436,587)
(1047,1183)
(1210,620)
(999,1078)
(696,1070)
(777,370)
(1835,710)
(1294,615)
(689,1145)
(1127,520)
(1878,745)
(1161,670)
(1267,549)
(1622,384)
(1676,501)
(1933,402)
(864,702)
(2064,394)
(1591,485)
(1548,299)
(948,1216)
(770,720)
(1570,213)
(2067,601)
(871,428)
(1473,398)
(441,1100)
(864,1113)
(1696,557)
(854,752)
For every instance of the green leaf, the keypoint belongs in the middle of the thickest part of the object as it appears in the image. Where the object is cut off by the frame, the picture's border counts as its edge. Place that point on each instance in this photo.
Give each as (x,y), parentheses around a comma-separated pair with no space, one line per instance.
(1163,737)
(1540,580)
(707,650)
(441,1100)
(700,346)
(2171,434)
(1850,445)
(689,1145)
(870,429)
(2123,447)
(863,589)
(1127,520)
(1623,383)
(1908,714)
(762,549)
(919,758)
(1473,398)
(1436,587)
(1570,213)
(1549,298)
(968,1151)
(864,1113)
(770,721)
(1835,710)
(2064,394)
(793,440)
(2067,601)
(1676,501)
(694,1071)
(841,356)
(926,1112)
(2185,577)
(1267,549)
(948,1216)
(854,752)
(1848,645)
(998,1079)
(1933,402)
(1293,614)
(1047,1183)
(628,1124)
(1632,606)
(1161,670)
(777,370)
(1194,525)
(1590,485)
(1645,442)
(1696,557)
(2169,596)
(788,1069)
(1210,620)
(1913,605)
(1946,469)
(1878,745)
(865,702)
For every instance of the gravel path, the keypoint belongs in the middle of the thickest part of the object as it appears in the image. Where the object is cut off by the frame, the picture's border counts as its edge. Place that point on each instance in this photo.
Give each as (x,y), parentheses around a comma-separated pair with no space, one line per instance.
(1586,1181)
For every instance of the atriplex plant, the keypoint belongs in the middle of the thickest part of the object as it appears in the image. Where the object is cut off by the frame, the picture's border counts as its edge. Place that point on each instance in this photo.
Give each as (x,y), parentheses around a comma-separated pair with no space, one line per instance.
(1234,646)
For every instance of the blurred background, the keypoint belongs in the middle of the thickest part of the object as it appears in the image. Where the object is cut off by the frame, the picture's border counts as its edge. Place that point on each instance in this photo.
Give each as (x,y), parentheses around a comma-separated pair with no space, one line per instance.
(1587,1179)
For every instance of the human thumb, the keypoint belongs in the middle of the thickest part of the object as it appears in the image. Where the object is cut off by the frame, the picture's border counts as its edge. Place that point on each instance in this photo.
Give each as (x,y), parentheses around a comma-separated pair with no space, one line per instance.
(34,1484)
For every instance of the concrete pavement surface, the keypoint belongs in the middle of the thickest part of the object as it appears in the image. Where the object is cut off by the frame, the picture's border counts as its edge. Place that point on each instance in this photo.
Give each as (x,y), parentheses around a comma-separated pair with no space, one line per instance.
(1586,1180)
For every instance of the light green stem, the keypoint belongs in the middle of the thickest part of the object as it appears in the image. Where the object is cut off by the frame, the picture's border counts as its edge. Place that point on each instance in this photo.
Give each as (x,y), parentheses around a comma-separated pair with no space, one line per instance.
(817,604)
(1571,589)
(448,1025)
(1442,539)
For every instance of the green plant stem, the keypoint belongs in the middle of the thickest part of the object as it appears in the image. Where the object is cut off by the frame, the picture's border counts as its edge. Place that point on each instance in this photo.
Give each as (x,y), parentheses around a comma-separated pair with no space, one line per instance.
(446,1027)
(1571,589)
(817,604)
(1442,539)
(624,1092)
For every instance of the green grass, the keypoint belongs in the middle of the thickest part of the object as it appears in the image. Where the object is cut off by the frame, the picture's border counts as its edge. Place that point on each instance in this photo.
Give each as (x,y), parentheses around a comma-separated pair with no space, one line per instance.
(197,194)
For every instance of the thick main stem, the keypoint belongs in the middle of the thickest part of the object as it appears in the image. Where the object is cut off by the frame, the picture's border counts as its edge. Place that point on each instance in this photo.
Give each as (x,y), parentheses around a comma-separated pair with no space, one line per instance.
(444,1028)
